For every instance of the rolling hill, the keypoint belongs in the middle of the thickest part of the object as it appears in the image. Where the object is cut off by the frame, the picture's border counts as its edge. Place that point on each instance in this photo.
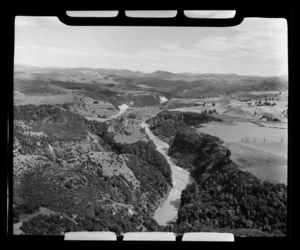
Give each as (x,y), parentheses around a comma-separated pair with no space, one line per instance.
(176,84)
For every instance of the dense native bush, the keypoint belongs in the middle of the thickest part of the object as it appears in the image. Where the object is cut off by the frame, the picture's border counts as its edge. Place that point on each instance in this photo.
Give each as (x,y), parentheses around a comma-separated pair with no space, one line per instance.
(103,221)
(100,129)
(167,123)
(224,198)
(147,152)
(91,197)
(57,124)
(242,202)
(151,179)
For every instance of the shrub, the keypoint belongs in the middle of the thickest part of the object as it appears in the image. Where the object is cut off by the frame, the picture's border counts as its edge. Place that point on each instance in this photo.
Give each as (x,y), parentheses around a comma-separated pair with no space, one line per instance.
(132,116)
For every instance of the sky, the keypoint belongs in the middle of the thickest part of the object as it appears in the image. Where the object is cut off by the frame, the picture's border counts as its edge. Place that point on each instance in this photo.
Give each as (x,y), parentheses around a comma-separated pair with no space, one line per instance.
(258,46)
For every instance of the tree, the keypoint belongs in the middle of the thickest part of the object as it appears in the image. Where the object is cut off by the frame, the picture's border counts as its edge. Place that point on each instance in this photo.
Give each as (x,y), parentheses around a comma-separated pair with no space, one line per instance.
(132,116)
(196,193)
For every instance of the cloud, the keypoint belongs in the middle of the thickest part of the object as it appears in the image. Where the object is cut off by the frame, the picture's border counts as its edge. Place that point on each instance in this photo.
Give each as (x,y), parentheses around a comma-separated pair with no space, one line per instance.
(255,39)
(170,51)
(168,46)
(229,47)
(255,45)
(59,56)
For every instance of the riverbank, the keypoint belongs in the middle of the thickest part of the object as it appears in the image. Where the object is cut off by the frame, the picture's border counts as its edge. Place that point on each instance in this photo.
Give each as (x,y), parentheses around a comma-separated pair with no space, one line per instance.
(180,179)
(162,201)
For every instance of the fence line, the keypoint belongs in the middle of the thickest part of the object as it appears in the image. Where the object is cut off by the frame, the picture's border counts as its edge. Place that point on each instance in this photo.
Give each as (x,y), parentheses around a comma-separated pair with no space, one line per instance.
(249,139)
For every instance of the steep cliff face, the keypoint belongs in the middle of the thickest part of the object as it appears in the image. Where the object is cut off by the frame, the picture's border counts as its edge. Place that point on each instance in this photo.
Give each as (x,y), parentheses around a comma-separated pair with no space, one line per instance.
(146,152)
(224,198)
(199,153)
(167,123)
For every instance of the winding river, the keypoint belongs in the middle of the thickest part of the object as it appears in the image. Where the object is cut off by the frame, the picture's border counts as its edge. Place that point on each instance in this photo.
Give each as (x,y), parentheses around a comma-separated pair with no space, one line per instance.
(122,109)
(168,210)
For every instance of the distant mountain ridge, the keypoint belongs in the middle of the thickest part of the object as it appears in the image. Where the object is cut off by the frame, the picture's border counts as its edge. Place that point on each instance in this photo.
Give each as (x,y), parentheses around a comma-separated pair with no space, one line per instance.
(161,73)
(182,85)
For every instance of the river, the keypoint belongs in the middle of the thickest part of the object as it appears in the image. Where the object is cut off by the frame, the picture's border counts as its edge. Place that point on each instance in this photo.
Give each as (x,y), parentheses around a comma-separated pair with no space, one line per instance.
(180,177)
(122,109)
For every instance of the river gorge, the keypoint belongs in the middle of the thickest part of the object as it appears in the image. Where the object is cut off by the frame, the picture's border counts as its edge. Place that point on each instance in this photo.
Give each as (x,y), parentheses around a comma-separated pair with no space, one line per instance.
(180,178)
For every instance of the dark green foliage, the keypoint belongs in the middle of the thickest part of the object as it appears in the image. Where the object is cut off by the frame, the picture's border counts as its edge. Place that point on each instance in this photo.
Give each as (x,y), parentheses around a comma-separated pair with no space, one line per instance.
(240,232)
(40,189)
(66,106)
(147,152)
(60,224)
(132,116)
(28,143)
(270,118)
(49,225)
(100,202)
(234,200)
(23,209)
(39,113)
(100,129)
(198,152)
(166,124)
(172,105)
(224,197)
(56,123)
(91,196)
(152,182)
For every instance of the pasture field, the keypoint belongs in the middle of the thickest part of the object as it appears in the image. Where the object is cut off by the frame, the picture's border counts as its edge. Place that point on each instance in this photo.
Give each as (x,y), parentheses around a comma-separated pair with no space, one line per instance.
(259,150)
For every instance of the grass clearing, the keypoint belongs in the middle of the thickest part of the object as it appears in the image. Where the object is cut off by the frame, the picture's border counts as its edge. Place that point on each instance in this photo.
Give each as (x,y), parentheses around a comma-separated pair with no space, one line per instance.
(263,151)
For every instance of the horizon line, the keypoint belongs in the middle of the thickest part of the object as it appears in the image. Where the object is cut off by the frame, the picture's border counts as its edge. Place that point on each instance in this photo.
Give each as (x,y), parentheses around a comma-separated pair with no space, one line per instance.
(143,72)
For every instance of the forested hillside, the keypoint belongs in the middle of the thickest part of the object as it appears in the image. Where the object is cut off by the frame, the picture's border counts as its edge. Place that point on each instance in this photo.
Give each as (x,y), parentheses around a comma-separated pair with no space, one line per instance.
(72,169)
(146,151)
(167,123)
(225,197)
